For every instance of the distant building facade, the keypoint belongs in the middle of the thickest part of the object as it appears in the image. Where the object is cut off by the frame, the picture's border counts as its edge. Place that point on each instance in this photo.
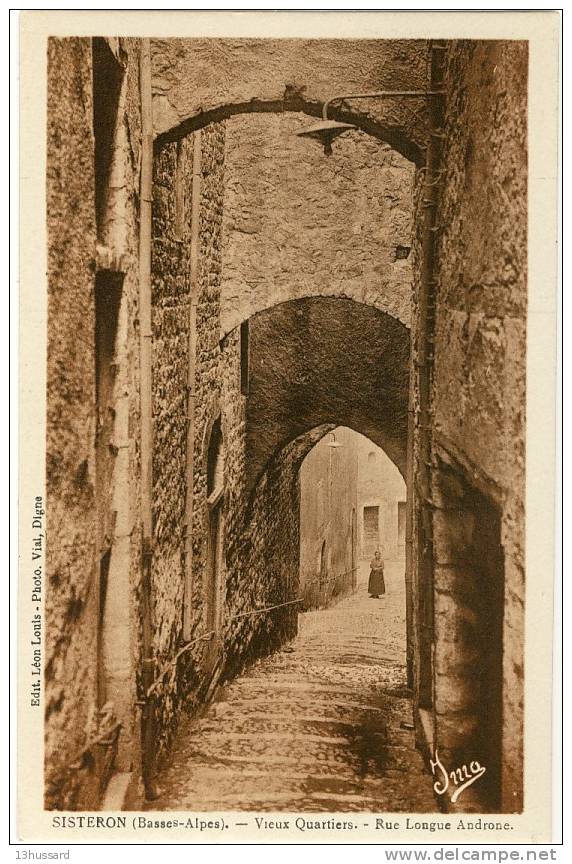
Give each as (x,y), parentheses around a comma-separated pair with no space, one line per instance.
(381,503)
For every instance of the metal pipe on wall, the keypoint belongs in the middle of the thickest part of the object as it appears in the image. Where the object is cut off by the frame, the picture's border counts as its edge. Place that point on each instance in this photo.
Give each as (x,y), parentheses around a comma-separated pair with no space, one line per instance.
(190,454)
(380,94)
(146,405)
(409,522)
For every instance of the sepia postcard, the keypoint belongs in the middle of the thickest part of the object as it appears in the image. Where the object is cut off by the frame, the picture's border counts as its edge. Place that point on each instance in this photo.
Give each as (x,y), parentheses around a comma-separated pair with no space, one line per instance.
(287,407)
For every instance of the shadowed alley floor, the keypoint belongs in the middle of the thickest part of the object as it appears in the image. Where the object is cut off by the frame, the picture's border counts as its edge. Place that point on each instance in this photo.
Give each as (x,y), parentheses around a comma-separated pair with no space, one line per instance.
(319,728)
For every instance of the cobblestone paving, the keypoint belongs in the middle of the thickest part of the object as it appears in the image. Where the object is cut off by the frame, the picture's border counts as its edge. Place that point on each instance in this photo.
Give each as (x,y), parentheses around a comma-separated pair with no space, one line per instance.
(324,725)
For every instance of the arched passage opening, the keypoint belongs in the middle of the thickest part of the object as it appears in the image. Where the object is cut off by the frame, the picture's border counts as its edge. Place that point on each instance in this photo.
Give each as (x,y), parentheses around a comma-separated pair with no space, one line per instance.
(300,541)
(321,361)
(473,402)
(351,496)
(314,364)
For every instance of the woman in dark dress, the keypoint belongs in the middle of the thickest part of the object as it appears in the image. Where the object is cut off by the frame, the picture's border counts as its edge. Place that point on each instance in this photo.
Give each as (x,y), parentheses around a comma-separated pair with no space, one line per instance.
(376,584)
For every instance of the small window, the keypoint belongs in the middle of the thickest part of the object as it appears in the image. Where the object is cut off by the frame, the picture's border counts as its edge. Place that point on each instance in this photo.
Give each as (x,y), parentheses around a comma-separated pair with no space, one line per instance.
(323,563)
(244,359)
(107,81)
(402,252)
(215,466)
(215,585)
(371,457)
(180,208)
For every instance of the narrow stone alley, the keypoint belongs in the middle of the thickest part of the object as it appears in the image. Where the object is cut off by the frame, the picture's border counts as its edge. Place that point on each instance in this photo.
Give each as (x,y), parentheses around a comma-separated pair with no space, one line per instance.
(275,346)
(323,725)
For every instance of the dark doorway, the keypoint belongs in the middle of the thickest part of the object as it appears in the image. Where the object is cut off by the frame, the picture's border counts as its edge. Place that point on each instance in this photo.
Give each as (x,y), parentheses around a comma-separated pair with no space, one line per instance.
(107,82)
(370,530)
(108,288)
(488,563)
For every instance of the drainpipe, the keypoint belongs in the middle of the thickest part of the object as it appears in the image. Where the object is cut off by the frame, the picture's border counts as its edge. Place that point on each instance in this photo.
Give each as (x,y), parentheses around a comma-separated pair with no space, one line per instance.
(425,358)
(193,295)
(146,396)
(409,485)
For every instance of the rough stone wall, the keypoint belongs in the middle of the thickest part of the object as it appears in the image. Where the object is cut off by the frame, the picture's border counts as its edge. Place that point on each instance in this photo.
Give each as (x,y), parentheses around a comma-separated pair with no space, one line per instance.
(480,340)
(263,565)
(261,531)
(196,81)
(171,316)
(213,371)
(70,609)
(328,520)
(299,223)
(170,324)
(74,653)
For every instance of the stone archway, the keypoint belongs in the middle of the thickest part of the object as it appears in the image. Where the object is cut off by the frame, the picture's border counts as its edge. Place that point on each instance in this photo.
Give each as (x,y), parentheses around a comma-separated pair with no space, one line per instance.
(200,81)
(314,363)
(321,362)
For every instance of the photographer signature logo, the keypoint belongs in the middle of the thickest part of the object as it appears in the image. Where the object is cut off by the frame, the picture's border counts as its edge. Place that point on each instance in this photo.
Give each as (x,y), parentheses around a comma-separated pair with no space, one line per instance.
(461,777)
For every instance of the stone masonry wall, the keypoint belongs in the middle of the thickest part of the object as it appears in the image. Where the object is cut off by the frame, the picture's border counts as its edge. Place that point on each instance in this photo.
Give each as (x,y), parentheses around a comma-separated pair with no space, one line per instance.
(83,660)
(328,520)
(171,275)
(121,640)
(170,322)
(70,673)
(480,343)
(260,531)
(263,565)
(412,548)
(299,223)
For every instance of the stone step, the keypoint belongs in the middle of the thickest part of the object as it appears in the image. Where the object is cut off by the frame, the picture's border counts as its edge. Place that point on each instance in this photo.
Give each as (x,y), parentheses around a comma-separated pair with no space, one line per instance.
(329,655)
(327,729)
(238,779)
(291,683)
(399,709)
(316,729)
(374,636)
(295,801)
(275,697)
(323,709)
(348,658)
(362,754)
